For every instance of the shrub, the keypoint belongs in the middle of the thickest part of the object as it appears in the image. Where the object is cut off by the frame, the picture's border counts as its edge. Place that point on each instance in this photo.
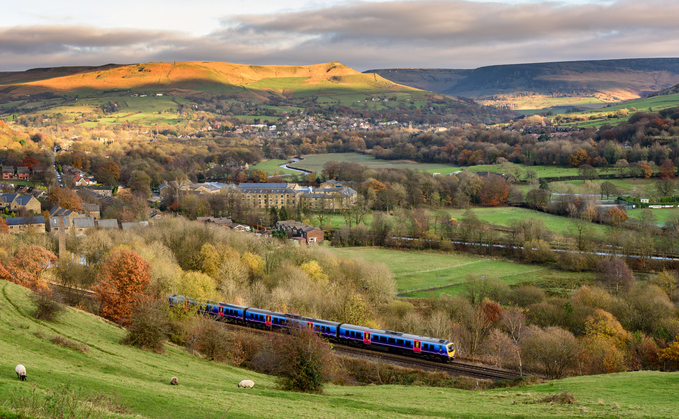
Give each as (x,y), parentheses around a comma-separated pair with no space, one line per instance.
(304,361)
(148,325)
(48,305)
(562,398)
(215,342)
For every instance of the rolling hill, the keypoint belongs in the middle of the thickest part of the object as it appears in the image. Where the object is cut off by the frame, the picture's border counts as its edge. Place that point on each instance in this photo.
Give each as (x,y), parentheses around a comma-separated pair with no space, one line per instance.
(77,365)
(547,85)
(249,82)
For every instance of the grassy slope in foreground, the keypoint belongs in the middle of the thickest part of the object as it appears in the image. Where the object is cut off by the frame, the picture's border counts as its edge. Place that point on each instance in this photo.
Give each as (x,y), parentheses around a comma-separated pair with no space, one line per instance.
(208,390)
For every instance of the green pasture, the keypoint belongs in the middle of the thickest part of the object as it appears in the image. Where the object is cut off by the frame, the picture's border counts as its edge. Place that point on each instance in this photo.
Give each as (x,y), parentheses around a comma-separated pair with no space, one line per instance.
(503,217)
(662,216)
(315,162)
(541,171)
(599,117)
(271,167)
(424,274)
(138,382)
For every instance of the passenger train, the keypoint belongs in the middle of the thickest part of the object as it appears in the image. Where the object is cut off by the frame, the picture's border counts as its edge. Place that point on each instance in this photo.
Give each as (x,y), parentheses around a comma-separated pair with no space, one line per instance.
(349,334)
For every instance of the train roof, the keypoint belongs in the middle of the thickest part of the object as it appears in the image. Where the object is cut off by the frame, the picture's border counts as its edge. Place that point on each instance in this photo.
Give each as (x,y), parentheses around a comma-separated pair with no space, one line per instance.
(397,334)
(182,297)
(292,316)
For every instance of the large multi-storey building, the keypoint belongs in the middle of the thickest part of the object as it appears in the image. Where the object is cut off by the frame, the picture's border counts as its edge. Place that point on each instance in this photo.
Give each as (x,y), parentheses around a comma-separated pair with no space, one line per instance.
(290,195)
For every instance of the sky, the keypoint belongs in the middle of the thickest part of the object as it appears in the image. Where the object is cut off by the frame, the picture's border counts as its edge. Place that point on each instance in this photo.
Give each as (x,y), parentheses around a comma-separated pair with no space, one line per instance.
(369,34)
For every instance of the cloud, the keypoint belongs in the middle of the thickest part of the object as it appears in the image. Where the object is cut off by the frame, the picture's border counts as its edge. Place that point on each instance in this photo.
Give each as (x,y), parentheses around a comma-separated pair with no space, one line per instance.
(446,33)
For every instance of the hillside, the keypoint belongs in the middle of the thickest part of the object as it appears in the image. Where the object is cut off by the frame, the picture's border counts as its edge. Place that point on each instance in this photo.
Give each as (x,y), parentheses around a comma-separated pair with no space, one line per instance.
(236,80)
(545,85)
(133,383)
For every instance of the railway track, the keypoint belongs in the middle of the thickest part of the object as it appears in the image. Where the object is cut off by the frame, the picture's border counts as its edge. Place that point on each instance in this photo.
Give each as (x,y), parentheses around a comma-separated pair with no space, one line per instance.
(454,368)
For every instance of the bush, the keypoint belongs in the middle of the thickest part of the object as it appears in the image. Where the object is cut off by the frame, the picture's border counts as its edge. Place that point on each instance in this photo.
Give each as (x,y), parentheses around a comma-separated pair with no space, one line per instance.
(215,342)
(148,325)
(304,361)
(48,305)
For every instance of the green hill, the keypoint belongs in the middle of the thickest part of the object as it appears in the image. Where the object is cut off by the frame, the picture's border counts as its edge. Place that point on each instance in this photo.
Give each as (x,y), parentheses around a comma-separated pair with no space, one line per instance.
(133,383)
(547,85)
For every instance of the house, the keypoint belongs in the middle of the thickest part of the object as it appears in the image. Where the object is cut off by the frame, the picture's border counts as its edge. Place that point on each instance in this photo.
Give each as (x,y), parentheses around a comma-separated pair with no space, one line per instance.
(23,224)
(17,203)
(92,210)
(68,215)
(301,232)
(7,172)
(242,228)
(23,173)
(80,225)
(108,223)
(219,222)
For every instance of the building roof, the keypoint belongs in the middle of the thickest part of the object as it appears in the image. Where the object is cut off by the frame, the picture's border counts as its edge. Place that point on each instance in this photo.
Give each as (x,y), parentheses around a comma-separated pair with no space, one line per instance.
(15,221)
(23,169)
(8,197)
(134,224)
(24,199)
(57,211)
(109,223)
(83,222)
(90,207)
(7,169)
(264,185)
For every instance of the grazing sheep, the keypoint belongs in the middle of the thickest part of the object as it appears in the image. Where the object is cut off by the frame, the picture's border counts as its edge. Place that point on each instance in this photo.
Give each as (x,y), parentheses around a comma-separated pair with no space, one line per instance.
(246,384)
(174,381)
(21,372)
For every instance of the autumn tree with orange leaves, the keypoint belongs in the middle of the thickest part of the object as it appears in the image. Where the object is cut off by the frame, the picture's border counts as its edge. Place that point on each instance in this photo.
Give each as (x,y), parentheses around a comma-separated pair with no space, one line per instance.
(494,192)
(66,198)
(26,266)
(122,277)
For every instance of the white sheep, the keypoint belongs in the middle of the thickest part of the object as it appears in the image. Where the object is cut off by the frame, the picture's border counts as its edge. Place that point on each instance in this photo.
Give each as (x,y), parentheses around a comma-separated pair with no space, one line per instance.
(246,384)
(174,381)
(21,372)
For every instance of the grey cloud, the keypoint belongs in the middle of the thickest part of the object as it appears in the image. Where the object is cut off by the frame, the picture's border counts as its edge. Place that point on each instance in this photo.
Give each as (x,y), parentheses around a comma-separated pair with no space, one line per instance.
(446,33)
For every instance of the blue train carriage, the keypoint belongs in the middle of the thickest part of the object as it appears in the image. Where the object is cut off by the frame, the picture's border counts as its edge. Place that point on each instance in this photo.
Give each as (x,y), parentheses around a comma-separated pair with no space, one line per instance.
(438,349)
(325,328)
(263,319)
(180,301)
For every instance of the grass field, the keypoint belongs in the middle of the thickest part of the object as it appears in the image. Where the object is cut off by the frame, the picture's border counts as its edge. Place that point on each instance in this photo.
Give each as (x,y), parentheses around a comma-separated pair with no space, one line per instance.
(418,272)
(271,167)
(315,162)
(541,171)
(599,117)
(138,382)
(662,216)
(496,216)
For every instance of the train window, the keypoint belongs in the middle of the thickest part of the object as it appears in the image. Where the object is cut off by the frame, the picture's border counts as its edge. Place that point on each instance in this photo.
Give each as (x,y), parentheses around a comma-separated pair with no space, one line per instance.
(392,340)
(375,338)
(383,339)
(400,342)
(426,346)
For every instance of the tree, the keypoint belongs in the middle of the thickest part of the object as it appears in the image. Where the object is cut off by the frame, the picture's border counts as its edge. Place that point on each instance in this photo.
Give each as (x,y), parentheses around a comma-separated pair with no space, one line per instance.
(665,186)
(108,173)
(26,266)
(577,158)
(140,183)
(4,228)
(553,350)
(587,172)
(494,192)
(608,189)
(305,361)
(259,176)
(66,198)
(667,170)
(616,216)
(621,166)
(538,198)
(148,327)
(615,273)
(122,278)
